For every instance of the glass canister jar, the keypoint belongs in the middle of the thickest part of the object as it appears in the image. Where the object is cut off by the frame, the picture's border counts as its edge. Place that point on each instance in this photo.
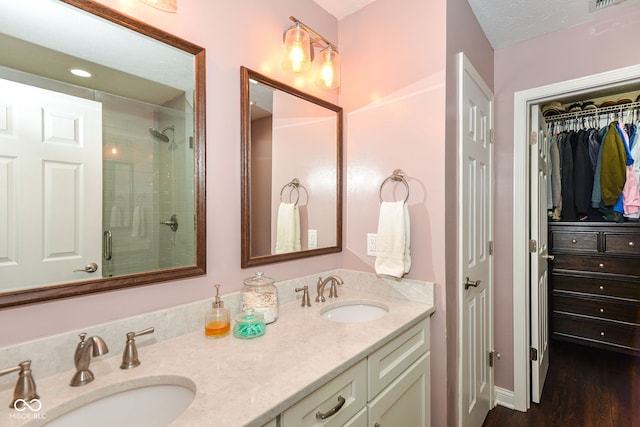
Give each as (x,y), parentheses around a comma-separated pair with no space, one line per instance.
(260,294)
(249,324)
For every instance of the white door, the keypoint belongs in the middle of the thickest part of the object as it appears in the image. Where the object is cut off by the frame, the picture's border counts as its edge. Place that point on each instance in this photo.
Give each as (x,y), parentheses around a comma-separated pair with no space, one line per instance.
(475,219)
(538,248)
(50,185)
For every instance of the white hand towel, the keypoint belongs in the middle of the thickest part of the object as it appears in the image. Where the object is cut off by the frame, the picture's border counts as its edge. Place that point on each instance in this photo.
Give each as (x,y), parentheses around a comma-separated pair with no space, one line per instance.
(288,228)
(135,222)
(115,220)
(393,256)
(142,222)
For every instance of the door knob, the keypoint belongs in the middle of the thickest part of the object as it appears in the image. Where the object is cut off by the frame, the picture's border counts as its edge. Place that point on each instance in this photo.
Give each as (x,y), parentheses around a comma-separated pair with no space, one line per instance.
(92,267)
(468,282)
(549,257)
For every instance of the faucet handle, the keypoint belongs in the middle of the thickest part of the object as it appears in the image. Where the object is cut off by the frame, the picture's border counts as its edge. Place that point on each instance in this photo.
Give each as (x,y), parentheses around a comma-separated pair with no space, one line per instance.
(25,389)
(306,302)
(130,354)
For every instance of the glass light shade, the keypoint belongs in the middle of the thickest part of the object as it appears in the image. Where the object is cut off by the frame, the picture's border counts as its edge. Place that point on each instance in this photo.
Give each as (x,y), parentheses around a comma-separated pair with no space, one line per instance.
(297,50)
(327,68)
(166,5)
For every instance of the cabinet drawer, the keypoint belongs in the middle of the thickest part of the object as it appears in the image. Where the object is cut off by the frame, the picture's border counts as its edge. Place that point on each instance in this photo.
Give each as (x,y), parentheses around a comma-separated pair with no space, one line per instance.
(622,243)
(596,286)
(599,264)
(387,363)
(575,240)
(597,331)
(601,308)
(351,385)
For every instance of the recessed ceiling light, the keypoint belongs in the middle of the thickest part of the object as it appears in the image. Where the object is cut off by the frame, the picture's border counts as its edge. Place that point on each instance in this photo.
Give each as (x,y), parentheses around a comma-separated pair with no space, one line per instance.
(79,72)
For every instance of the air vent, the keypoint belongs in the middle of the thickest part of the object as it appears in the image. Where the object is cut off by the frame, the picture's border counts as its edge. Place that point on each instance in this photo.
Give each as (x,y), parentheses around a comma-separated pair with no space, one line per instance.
(595,5)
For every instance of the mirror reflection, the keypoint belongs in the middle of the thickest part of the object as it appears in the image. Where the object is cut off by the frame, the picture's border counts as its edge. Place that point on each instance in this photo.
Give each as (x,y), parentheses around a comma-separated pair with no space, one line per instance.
(292,156)
(102,185)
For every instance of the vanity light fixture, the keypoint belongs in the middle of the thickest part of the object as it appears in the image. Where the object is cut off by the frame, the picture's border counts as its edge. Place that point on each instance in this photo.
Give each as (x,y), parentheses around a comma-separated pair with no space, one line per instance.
(166,5)
(298,55)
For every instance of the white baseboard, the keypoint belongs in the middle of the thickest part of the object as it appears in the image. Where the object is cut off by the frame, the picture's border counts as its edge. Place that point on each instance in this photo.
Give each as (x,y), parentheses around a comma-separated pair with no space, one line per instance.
(504,397)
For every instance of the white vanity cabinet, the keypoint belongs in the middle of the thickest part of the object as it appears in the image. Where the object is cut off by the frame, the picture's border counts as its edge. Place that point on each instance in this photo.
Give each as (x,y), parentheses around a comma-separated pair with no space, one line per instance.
(390,387)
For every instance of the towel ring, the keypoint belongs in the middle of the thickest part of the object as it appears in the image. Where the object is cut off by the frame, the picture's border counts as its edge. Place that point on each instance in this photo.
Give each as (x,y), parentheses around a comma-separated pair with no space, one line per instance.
(398,176)
(294,185)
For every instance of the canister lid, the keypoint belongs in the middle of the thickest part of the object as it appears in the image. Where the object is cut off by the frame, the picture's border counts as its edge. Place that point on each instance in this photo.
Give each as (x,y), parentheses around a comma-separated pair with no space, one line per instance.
(258,280)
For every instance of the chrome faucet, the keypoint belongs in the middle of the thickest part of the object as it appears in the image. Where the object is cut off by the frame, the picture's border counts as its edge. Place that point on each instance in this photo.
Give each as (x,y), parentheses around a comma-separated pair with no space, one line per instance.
(25,390)
(91,346)
(333,290)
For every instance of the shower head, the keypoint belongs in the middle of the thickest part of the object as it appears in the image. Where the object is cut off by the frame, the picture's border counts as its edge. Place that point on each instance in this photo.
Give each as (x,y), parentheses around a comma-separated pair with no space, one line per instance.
(161,136)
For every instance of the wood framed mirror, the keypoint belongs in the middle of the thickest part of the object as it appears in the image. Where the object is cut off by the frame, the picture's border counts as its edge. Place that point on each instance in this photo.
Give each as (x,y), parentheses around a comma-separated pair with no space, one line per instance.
(137,203)
(291,172)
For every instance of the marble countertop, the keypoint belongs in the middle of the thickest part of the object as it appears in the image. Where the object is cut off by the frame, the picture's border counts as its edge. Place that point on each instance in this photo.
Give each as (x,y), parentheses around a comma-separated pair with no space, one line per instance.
(237,382)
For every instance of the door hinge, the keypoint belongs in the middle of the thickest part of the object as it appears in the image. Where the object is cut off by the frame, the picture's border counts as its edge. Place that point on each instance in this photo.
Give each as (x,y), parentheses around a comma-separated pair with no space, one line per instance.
(492,358)
(533,354)
(533,138)
(533,246)
(490,247)
(490,136)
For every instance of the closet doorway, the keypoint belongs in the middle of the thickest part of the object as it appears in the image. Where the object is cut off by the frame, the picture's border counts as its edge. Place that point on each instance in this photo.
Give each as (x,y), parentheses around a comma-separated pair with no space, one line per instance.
(615,81)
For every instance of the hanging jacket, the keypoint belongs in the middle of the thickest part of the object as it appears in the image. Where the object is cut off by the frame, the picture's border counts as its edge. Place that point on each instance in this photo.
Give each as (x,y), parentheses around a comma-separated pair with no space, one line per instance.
(613,173)
(582,174)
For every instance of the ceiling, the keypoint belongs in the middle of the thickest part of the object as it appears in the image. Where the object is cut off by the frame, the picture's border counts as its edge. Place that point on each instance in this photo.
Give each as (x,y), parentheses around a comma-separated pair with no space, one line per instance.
(507,22)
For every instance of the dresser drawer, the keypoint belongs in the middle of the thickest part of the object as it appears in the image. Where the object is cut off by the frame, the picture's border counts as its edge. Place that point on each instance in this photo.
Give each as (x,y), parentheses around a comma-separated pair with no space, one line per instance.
(601,308)
(596,286)
(578,241)
(597,331)
(600,264)
(622,243)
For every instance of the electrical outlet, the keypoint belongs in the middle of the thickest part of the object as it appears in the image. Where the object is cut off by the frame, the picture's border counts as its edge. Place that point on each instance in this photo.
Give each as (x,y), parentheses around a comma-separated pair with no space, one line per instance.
(312,239)
(371,244)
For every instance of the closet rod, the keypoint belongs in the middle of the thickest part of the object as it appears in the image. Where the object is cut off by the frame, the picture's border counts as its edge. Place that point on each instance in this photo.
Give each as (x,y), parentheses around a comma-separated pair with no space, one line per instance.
(593,112)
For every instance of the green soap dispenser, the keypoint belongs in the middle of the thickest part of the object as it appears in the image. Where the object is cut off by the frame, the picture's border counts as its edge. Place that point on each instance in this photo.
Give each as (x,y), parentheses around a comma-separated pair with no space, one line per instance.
(217,321)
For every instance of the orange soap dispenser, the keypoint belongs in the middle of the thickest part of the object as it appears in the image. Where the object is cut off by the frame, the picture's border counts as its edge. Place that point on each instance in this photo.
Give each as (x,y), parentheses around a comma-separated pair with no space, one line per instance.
(217,321)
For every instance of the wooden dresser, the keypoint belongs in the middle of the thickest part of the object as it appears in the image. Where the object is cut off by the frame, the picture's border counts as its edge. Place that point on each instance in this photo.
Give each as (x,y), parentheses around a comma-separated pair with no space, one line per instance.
(595,284)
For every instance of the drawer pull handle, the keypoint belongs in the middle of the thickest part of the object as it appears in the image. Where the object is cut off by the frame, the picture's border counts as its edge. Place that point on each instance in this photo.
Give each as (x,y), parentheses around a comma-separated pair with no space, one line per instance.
(601,334)
(332,411)
(574,241)
(601,265)
(631,244)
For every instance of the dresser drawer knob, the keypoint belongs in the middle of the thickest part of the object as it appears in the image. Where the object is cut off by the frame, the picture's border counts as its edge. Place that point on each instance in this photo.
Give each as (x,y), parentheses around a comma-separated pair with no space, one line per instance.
(602,333)
(602,310)
(601,287)
(601,265)
(631,244)
(574,241)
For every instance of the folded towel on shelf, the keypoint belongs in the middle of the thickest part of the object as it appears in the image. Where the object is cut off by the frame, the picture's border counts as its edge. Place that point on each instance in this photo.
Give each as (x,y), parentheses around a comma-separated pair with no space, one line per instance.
(288,228)
(138,225)
(393,257)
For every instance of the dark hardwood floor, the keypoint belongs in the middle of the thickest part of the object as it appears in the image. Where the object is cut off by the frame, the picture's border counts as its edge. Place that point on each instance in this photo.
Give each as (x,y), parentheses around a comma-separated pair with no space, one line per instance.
(585,387)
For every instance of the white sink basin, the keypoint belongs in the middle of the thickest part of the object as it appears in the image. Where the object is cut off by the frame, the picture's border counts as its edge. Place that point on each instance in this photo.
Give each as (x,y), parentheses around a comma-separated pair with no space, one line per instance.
(147,405)
(354,311)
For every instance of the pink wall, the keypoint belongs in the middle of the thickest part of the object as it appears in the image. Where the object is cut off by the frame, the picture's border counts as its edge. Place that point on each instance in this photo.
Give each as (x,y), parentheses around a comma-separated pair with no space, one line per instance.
(234,33)
(395,91)
(579,51)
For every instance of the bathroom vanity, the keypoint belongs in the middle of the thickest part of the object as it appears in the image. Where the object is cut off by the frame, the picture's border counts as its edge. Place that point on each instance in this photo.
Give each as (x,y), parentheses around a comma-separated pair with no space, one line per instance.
(303,365)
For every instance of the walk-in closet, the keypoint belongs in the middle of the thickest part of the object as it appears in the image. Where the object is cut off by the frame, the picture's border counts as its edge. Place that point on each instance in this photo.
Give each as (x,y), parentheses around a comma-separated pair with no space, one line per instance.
(593,220)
